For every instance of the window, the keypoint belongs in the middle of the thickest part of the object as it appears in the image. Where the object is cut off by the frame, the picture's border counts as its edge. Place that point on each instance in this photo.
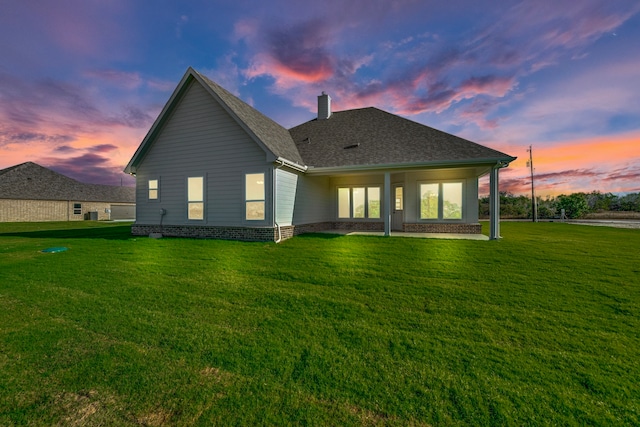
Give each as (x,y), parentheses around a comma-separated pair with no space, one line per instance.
(441,200)
(399,199)
(77,208)
(153,189)
(429,201)
(359,202)
(452,200)
(254,196)
(195,198)
(373,202)
(344,203)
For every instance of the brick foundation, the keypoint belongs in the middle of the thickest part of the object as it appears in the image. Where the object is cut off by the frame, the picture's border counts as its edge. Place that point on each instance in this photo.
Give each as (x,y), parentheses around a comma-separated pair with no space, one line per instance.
(442,228)
(262,234)
(358,226)
(270,234)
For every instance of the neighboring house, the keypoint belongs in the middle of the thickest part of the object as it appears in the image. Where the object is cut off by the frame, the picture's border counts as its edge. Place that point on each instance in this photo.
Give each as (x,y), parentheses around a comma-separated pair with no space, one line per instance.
(30,192)
(213,166)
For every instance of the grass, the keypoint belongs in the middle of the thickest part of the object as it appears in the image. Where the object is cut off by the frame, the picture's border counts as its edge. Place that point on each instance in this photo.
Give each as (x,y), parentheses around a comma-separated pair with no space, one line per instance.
(540,328)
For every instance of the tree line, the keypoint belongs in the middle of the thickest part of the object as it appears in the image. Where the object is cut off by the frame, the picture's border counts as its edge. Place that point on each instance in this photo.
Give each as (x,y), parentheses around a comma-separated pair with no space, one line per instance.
(576,205)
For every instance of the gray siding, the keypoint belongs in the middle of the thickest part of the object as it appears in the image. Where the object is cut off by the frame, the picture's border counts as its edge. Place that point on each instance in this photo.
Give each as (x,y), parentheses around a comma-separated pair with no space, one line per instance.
(286,186)
(200,139)
(313,200)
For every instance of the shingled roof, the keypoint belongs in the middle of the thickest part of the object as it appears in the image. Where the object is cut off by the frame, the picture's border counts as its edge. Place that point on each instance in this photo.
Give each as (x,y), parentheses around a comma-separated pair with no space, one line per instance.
(366,137)
(30,181)
(370,136)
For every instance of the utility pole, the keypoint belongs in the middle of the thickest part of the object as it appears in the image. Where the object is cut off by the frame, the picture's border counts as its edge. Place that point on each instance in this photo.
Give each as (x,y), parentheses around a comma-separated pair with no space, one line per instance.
(534,203)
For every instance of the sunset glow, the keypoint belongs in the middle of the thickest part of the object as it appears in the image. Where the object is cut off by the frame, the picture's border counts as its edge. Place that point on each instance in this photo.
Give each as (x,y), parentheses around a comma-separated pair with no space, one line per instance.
(81,82)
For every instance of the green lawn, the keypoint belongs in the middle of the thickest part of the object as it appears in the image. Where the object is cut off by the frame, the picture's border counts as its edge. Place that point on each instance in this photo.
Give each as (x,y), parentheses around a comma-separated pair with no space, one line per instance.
(539,328)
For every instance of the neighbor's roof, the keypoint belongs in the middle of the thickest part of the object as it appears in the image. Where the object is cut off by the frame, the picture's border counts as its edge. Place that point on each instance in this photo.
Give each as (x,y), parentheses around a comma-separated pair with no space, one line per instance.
(370,136)
(268,134)
(30,181)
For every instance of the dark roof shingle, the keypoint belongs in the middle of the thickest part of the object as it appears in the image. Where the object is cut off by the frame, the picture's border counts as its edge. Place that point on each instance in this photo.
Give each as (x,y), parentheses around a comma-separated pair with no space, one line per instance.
(370,136)
(30,181)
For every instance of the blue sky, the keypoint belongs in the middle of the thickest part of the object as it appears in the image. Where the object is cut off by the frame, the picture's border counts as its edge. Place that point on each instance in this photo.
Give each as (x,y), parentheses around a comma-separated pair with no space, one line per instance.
(82,81)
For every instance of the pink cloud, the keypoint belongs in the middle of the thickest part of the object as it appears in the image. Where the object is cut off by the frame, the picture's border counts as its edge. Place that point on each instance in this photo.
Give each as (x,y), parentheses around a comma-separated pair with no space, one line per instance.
(497,86)
(579,165)
(118,78)
(88,168)
(294,55)
(103,148)
(245,29)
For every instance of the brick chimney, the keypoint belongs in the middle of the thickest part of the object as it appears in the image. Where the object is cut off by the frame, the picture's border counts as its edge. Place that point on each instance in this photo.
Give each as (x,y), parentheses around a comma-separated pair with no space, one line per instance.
(324,106)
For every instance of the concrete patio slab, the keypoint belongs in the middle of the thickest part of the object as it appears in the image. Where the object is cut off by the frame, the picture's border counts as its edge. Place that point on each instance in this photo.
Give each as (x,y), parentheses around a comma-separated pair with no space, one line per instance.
(455,236)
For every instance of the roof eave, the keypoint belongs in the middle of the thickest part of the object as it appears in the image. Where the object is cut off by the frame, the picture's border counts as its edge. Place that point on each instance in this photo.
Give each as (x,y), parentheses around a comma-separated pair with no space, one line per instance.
(504,161)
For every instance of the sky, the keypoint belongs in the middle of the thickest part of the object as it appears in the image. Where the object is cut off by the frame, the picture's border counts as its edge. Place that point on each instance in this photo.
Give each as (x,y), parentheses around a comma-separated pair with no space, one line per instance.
(82,81)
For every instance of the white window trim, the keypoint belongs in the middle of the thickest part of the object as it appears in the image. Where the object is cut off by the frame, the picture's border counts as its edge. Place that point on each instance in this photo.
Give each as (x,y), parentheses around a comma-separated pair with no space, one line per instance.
(267,199)
(366,202)
(157,199)
(204,198)
(441,218)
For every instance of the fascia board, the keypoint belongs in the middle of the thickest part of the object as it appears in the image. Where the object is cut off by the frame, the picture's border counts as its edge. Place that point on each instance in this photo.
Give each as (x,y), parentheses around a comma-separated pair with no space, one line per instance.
(410,166)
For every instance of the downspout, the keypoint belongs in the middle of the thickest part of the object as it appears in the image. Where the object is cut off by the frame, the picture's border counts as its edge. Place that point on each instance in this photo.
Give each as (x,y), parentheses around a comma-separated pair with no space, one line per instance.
(275,195)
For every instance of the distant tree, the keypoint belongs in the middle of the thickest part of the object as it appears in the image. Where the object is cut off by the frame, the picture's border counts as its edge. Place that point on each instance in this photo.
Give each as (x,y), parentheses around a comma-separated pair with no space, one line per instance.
(598,201)
(483,207)
(547,208)
(575,205)
(514,206)
(629,202)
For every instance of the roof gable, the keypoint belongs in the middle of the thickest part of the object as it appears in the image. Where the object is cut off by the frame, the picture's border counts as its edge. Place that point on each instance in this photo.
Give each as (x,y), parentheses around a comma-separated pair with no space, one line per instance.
(30,181)
(370,136)
(269,135)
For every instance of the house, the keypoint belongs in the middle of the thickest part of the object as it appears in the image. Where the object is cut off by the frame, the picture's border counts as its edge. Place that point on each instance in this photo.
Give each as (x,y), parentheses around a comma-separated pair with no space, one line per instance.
(213,166)
(30,192)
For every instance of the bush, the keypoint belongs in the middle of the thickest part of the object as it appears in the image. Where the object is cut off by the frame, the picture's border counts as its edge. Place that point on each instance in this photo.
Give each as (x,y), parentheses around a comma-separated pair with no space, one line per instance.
(575,205)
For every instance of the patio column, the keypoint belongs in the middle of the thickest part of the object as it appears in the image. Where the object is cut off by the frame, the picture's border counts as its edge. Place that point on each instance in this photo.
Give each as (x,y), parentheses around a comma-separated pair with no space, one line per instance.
(387,203)
(494,204)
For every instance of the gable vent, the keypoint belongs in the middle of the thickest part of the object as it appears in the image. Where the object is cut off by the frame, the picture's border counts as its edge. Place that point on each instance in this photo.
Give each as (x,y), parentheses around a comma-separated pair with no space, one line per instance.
(324,106)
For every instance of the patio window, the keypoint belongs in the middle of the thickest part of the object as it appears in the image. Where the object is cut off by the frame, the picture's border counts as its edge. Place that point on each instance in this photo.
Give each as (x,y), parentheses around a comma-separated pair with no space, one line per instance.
(452,200)
(358,202)
(441,200)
